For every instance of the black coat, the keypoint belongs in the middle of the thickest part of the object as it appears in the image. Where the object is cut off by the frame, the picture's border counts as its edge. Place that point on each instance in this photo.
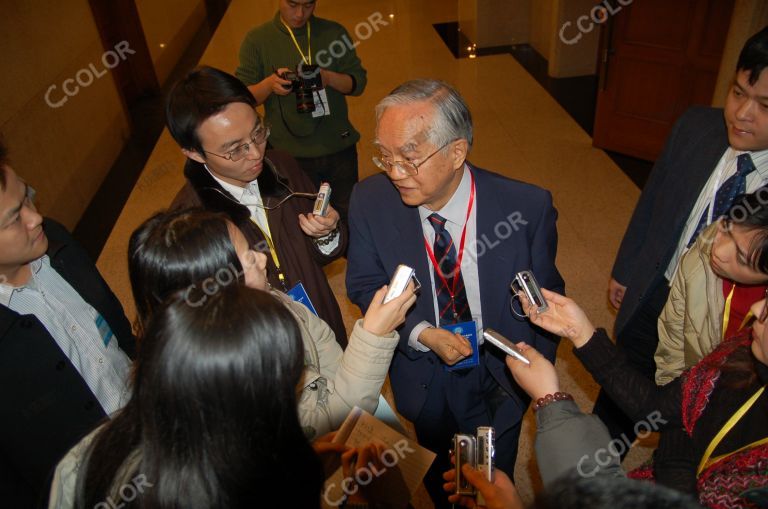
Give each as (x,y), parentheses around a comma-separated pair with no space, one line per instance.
(692,151)
(669,408)
(46,405)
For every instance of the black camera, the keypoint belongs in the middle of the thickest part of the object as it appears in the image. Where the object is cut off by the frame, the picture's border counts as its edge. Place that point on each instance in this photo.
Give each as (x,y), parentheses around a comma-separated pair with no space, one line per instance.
(305,80)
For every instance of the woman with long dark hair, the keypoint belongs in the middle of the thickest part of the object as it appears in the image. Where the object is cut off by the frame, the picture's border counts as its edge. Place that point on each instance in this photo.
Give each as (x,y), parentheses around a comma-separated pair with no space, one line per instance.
(212,420)
(199,252)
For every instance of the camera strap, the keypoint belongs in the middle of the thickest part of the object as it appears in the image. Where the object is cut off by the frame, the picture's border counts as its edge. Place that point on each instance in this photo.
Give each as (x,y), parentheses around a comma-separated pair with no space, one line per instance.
(308,58)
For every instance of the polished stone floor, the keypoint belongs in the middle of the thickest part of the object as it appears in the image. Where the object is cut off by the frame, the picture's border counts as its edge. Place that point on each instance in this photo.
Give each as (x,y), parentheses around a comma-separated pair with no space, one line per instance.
(520,131)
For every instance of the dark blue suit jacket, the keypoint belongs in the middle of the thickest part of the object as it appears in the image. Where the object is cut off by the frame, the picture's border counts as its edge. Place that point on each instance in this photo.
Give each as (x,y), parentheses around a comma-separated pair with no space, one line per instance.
(692,151)
(515,231)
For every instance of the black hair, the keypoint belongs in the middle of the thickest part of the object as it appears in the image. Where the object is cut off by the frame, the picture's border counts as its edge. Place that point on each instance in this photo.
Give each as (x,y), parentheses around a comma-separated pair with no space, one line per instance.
(750,211)
(202,93)
(575,492)
(212,421)
(179,251)
(754,55)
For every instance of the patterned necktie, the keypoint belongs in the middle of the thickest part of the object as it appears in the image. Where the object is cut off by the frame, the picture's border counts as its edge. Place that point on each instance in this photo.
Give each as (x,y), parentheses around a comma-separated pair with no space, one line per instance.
(451,310)
(251,195)
(735,185)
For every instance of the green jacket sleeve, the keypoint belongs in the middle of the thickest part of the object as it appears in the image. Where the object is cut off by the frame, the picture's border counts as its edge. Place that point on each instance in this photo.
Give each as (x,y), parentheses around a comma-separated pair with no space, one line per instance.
(349,63)
(250,71)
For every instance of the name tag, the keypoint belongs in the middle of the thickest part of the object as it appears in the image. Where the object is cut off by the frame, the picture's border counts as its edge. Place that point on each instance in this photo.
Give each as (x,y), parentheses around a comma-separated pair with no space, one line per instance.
(104,331)
(321,104)
(469,331)
(299,294)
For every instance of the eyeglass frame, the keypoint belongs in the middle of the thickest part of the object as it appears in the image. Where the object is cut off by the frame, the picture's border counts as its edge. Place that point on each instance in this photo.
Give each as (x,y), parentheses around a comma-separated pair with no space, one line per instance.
(28,201)
(387,166)
(725,225)
(263,127)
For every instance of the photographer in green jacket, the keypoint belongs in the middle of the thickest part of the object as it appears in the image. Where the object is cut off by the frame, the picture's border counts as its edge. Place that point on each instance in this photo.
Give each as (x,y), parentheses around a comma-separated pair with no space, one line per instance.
(301,68)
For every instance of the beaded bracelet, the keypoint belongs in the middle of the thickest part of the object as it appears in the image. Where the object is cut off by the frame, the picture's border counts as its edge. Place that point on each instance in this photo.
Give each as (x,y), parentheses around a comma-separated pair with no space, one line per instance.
(551,398)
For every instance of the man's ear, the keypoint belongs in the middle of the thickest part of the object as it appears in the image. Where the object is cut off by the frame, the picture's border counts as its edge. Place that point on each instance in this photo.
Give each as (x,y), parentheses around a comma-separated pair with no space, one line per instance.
(194,155)
(458,153)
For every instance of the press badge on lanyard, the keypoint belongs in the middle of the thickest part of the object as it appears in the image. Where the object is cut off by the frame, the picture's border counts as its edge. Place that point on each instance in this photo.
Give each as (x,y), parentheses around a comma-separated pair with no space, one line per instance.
(321,103)
(299,294)
(104,331)
(469,331)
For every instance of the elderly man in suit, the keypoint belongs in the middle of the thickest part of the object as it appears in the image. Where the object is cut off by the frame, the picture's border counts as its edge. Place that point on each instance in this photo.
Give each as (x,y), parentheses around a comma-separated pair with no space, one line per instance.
(466,232)
(64,345)
(711,156)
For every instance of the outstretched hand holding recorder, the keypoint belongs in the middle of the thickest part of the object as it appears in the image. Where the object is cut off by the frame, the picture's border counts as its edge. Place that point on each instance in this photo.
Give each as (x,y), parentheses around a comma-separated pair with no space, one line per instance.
(505,345)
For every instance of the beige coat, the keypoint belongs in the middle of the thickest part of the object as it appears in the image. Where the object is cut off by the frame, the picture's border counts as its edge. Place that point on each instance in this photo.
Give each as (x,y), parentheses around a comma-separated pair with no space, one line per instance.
(64,481)
(335,380)
(690,326)
(332,383)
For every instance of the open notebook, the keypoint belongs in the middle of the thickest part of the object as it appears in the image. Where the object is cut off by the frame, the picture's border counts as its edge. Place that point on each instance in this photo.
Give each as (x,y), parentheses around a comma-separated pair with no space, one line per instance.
(404,463)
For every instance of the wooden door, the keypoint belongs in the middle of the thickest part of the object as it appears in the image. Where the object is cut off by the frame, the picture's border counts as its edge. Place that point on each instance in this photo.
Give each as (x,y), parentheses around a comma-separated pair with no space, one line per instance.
(659,57)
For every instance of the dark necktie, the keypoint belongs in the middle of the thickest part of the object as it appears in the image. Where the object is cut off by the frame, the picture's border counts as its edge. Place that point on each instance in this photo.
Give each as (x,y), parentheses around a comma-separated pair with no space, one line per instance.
(451,310)
(735,185)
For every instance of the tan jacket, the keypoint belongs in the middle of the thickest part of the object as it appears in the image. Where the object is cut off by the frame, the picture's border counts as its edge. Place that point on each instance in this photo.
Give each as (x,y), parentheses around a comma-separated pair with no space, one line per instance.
(690,326)
(64,481)
(335,380)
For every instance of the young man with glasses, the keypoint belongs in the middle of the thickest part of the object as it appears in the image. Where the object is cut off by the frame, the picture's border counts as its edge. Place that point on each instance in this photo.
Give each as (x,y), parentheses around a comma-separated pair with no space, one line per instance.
(711,156)
(313,127)
(211,116)
(466,232)
(64,345)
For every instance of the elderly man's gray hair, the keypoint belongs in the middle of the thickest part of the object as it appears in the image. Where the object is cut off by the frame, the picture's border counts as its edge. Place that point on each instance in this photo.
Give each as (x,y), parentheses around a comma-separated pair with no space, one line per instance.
(452,121)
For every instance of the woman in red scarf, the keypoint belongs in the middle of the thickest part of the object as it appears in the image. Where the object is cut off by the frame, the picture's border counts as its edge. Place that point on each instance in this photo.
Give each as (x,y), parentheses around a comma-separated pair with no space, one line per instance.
(714,433)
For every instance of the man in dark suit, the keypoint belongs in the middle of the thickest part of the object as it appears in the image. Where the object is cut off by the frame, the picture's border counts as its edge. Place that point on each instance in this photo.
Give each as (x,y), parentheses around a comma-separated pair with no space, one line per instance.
(711,156)
(212,116)
(64,345)
(466,232)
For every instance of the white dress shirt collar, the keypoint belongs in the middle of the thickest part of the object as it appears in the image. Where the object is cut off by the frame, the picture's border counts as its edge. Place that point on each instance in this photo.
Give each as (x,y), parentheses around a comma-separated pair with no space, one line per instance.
(6,290)
(760,160)
(455,210)
(237,192)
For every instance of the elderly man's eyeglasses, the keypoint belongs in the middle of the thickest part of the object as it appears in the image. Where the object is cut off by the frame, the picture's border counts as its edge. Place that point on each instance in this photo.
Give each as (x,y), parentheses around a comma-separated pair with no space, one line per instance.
(258,136)
(409,168)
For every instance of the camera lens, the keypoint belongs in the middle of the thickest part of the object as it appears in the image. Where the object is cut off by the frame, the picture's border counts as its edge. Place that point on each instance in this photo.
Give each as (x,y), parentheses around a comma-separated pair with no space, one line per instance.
(305,103)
